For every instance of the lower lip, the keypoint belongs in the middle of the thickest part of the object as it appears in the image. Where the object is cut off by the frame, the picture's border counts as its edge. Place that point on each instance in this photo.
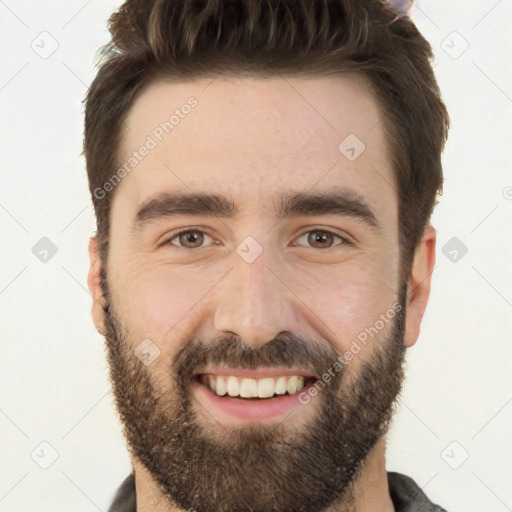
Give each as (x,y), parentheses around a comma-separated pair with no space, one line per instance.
(226,407)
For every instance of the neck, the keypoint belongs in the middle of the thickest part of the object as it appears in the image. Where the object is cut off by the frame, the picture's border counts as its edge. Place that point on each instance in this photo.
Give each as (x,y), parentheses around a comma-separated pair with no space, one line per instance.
(370,491)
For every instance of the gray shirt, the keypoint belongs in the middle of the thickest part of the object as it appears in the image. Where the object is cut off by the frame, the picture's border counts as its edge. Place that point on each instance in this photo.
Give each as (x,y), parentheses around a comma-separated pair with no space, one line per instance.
(404,492)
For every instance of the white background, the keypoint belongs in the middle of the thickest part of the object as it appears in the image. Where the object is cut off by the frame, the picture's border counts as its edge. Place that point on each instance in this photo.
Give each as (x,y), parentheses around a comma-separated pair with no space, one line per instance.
(54,377)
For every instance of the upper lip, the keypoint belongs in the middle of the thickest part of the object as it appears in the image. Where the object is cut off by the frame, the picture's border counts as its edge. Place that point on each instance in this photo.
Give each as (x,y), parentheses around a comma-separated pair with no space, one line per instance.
(257,373)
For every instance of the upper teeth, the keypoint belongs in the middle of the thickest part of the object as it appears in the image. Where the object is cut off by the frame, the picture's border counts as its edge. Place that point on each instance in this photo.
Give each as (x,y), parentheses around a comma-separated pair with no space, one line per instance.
(253,388)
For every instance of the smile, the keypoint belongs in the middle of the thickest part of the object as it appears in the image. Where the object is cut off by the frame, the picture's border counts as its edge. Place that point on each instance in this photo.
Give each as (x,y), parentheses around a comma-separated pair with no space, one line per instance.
(266,387)
(230,395)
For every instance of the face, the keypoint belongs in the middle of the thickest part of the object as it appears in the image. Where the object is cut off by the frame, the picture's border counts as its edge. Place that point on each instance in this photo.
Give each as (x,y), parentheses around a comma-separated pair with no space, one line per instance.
(255,316)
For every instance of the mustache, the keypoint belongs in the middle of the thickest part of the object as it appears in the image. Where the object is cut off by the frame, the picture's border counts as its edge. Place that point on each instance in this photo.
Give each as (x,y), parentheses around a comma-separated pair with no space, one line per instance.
(286,350)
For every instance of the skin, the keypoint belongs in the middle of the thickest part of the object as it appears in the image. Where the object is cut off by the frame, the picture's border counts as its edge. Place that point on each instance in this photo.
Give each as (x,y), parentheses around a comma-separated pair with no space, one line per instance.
(253,139)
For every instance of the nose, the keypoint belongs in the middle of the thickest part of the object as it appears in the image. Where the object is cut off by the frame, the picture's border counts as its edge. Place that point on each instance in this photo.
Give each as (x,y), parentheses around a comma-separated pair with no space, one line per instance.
(255,302)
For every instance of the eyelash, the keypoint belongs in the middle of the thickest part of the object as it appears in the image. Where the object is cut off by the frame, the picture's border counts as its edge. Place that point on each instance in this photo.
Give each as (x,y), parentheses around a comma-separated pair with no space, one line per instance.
(344,241)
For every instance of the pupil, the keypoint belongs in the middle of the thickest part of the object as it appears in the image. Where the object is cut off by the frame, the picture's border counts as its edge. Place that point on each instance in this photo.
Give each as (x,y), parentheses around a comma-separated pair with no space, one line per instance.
(191,237)
(321,237)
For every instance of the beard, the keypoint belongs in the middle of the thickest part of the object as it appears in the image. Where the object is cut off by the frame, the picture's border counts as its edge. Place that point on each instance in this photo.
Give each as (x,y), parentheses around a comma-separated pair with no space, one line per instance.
(309,465)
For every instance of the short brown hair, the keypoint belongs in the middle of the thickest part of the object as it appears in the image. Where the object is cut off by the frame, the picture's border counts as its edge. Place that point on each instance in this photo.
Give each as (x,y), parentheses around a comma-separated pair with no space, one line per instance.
(187,39)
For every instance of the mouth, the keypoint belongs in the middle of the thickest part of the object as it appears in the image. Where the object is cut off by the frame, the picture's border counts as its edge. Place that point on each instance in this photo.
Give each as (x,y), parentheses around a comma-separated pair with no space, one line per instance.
(249,388)
(240,395)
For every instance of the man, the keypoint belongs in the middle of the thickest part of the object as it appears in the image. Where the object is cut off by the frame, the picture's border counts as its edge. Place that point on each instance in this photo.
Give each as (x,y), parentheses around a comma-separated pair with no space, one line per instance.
(263,173)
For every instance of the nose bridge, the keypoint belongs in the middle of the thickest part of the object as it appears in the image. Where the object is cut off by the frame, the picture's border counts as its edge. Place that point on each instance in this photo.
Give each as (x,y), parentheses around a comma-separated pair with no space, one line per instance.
(253,303)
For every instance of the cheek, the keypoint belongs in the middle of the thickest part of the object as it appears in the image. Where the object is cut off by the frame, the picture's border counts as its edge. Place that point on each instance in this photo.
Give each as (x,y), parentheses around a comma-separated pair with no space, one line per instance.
(160,298)
(351,302)
(164,302)
(352,308)
(156,303)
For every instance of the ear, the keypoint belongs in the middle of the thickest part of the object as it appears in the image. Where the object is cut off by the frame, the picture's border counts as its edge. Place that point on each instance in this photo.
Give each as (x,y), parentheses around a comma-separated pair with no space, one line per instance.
(418,287)
(93,283)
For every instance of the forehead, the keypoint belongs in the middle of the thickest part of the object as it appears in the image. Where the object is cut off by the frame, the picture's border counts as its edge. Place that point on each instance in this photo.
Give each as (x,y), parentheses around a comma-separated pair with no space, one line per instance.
(255,138)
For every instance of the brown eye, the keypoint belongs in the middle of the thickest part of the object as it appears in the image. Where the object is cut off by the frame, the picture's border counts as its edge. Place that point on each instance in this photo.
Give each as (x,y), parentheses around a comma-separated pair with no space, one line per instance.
(191,239)
(320,239)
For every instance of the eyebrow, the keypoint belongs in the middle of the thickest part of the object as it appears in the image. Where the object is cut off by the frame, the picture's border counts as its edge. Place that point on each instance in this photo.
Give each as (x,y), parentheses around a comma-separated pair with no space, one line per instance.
(169,204)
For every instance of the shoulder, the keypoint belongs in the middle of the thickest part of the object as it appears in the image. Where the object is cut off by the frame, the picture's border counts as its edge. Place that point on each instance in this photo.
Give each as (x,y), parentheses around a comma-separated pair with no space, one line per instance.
(125,498)
(407,495)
